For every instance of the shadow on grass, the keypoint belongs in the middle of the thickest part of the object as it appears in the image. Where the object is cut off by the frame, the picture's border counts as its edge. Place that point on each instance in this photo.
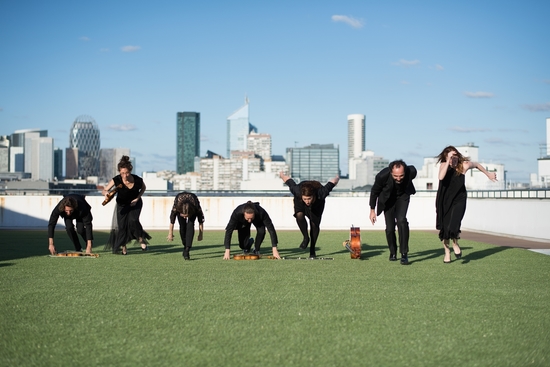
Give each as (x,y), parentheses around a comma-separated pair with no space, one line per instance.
(466,258)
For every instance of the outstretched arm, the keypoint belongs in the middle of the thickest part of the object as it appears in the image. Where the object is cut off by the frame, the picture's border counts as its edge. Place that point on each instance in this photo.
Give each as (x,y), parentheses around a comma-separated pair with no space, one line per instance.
(491,175)
(283,176)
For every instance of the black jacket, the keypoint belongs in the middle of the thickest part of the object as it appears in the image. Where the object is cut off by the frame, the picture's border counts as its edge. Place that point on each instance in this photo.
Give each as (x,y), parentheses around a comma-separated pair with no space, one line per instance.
(83,213)
(384,187)
(261,219)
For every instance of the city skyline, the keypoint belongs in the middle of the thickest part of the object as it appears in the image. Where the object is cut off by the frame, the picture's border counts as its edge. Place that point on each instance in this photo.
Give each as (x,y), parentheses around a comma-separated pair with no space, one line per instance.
(424,74)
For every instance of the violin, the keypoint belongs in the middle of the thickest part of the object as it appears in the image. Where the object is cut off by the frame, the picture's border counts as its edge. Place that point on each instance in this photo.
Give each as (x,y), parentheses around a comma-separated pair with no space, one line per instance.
(111,194)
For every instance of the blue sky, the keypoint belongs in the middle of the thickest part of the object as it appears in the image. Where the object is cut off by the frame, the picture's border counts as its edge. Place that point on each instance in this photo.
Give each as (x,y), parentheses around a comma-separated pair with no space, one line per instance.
(425,73)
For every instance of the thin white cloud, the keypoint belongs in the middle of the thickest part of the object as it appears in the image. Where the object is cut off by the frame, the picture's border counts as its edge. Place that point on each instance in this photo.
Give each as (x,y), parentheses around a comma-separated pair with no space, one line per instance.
(130,48)
(406,63)
(84,38)
(413,153)
(439,67)
(458,129)
(352,22)
(498,141)
(513,130)
(103,50)
(479,94)
(537,107)
(128,127)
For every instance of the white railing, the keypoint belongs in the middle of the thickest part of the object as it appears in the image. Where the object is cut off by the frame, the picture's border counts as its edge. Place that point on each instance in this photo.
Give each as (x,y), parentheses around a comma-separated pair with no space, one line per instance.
(516,216)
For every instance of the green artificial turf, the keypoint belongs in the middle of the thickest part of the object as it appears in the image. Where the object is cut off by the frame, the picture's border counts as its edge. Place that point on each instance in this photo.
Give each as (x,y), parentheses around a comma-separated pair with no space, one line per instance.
(154,309)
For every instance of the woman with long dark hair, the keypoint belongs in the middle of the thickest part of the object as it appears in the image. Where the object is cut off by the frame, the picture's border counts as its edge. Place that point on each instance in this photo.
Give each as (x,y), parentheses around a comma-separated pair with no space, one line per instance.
(451,196)
(126,225)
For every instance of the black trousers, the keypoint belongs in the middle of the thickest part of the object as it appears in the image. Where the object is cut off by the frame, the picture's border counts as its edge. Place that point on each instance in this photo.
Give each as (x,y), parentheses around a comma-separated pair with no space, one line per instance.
(244,234)
(187,230)
(395,213)
(80,229)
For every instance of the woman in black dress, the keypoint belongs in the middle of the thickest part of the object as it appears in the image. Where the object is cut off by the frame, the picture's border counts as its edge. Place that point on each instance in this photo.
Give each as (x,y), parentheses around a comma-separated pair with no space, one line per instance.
(309,201)
(187,208)
(126,224)
(450,201)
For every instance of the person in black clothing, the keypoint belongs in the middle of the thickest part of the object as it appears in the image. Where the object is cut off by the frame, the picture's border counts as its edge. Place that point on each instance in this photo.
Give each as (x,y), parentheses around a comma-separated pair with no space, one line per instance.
(73,207)
(391,194)
(450,202)
(241,220)
(309,201)
(126,224)
(186,208)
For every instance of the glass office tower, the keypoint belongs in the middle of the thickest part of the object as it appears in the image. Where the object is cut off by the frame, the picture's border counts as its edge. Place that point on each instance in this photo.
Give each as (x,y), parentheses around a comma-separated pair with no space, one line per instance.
(318,162)
(84,136)
(188,133)
(238,128)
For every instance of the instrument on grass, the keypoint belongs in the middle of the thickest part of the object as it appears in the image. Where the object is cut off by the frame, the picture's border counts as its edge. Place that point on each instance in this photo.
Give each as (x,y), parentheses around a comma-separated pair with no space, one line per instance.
(74,254)
(301,258)
(353,245)
(111,194)
(246,257)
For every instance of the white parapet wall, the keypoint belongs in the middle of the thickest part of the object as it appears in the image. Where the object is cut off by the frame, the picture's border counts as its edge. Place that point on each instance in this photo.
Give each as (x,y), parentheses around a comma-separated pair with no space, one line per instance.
(522,218)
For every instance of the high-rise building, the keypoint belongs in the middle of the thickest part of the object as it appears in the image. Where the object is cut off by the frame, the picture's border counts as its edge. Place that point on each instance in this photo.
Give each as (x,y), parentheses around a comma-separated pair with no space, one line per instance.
(356,137)
(84,136)
(71,163)
(108,162)
(58,163)
(260,144)
(23,139)
(238,128)
(218,173)
(188,134)
(17,162)
(318,162)
(42,159)
(4,154)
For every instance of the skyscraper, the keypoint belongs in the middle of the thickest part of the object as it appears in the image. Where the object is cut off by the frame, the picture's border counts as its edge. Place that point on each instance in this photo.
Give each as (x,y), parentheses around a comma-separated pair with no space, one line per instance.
(188,134)
(356,135)
(108,162)
(84,136)
(42,159)
(238,128)
(315,162)
(4,154)
(23,139)
(58,163)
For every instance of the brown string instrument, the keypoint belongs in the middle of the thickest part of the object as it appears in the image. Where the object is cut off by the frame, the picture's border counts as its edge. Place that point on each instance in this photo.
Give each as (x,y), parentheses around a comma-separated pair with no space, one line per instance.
(111,194)
(246,257)
(354,243)
(74,254)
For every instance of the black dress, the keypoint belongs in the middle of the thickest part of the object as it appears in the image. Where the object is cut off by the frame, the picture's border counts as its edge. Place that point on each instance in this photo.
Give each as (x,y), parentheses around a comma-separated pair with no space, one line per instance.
(450,204)
(126,225)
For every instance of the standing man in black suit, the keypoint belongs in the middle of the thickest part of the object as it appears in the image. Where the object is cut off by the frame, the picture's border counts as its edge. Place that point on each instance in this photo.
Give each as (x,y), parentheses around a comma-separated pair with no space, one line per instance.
(241,220)
(391,194)
(72,207)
